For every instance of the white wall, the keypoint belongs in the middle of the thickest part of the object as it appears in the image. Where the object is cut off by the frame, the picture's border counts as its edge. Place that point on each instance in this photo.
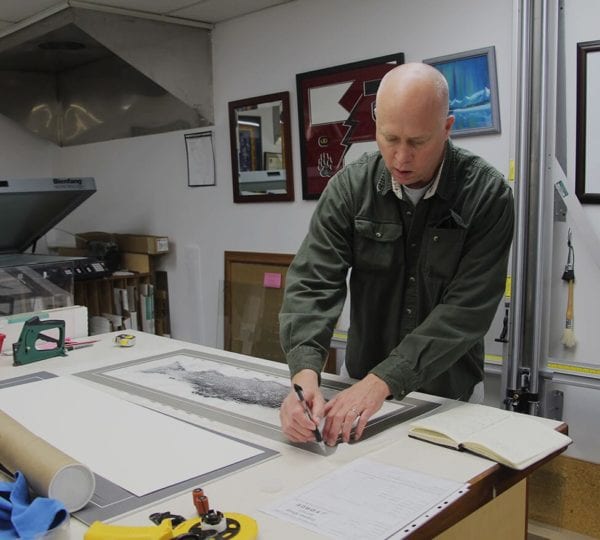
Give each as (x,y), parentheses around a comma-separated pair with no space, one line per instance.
(581,18)
(262,53)
(22,154)
(142,185)
(581,392)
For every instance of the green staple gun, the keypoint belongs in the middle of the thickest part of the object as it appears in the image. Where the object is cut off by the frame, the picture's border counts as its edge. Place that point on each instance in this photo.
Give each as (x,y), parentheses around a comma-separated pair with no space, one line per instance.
(26,349)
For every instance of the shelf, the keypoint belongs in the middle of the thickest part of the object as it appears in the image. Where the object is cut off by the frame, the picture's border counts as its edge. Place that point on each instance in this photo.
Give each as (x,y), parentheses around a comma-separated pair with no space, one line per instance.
(137,302)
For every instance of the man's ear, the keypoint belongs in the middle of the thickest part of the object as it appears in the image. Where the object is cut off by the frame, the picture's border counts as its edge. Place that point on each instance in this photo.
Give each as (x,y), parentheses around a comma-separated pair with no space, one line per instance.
(448,125)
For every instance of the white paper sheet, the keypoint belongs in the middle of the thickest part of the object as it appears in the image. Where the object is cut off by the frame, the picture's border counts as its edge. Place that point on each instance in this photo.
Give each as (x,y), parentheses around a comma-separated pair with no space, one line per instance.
(136,448)
(366,499)
(201,159)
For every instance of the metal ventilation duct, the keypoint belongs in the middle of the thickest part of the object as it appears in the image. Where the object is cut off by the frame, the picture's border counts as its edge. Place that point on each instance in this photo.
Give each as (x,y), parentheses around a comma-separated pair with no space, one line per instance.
(80,76)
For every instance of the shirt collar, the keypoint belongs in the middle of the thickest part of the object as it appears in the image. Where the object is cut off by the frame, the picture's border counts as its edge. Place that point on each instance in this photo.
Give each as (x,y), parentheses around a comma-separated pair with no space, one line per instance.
(433,186)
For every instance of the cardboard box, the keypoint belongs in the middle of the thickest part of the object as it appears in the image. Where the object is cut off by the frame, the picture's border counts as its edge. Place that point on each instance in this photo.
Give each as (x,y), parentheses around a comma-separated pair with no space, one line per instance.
(138,243)
(83,239)
(136,262)
(65,251)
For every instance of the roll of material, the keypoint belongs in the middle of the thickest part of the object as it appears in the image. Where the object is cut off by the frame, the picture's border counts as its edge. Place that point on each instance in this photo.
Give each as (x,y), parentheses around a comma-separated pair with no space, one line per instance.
(49,472)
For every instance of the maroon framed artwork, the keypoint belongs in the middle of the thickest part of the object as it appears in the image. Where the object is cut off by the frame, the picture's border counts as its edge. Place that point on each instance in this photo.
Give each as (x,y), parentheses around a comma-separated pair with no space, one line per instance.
(336,109)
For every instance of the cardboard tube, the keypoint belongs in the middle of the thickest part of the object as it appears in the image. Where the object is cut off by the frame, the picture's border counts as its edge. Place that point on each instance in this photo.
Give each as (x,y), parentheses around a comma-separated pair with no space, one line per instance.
(49,472)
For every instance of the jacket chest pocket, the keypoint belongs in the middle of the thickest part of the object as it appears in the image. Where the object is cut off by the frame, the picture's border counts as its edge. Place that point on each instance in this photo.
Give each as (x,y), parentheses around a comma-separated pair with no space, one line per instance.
(443,248)
(377,246)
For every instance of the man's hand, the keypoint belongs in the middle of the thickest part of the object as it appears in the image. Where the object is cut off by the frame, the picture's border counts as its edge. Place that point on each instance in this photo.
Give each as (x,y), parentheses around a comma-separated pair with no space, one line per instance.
(360,401)
(294,423)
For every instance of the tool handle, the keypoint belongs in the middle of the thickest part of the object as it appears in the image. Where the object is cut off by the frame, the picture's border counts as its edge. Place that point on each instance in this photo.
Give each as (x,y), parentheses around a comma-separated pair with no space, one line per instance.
(36,321)
(103,531)
(50,322)
(569,314)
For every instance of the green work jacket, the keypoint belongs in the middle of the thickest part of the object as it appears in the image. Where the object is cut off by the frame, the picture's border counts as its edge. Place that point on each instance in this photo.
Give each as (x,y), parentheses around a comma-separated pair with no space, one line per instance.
(425,281)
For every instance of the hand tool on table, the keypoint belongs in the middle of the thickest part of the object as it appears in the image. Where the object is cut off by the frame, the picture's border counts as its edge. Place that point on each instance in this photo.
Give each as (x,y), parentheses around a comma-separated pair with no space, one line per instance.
(300,395)
(72,344)
(209,525)
(28,349)
(125,340)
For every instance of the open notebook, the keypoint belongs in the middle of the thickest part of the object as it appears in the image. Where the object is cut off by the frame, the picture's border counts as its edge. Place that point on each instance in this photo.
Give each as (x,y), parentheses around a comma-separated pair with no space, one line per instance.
(513,439)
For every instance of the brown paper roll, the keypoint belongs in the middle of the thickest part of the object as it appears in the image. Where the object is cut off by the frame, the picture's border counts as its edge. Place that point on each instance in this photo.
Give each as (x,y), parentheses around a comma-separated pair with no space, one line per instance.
(49,472)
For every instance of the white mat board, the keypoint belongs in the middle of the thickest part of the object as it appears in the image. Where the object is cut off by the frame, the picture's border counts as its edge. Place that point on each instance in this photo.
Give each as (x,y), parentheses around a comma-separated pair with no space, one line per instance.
(136,448)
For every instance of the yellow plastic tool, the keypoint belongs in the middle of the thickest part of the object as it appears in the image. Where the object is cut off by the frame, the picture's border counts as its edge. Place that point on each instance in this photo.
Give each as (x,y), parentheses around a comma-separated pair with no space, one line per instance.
(125,340)
(103,531)
(239,527)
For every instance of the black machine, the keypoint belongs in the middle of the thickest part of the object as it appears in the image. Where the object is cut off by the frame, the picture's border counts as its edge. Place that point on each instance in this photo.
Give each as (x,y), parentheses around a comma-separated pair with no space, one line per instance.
(29,208)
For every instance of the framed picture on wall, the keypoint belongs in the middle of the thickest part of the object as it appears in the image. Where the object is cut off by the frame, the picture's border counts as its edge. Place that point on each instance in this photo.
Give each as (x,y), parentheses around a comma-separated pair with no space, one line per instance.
(200,158)
(336,109)
(473,89)
(587,151)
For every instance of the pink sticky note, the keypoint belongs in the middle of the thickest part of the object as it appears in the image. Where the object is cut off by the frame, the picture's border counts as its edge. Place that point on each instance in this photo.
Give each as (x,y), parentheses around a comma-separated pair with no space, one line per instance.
(272,280)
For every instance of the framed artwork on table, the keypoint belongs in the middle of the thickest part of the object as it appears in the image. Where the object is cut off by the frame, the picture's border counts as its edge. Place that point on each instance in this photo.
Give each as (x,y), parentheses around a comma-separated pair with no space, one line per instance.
(336,110)
(587,142)
(473,88)
(232,391)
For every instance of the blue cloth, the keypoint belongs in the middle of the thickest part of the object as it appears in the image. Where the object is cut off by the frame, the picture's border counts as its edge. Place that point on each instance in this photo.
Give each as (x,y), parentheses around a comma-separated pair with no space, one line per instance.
(20,518)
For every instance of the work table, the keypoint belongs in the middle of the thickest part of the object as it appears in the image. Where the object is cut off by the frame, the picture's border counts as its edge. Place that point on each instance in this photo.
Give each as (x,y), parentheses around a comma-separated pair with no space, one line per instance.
(247,491)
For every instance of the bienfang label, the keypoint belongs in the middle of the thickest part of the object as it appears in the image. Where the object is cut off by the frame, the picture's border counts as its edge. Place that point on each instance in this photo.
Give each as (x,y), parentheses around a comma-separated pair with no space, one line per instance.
(63,181)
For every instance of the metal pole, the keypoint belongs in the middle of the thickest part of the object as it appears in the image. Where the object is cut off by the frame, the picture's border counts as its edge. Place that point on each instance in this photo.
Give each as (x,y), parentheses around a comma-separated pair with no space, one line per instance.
(530,244)
(540,75)
(510,372)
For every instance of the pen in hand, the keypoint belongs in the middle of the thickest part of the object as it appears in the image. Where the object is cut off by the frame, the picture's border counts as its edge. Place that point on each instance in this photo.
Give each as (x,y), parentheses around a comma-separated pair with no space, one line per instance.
(300,394)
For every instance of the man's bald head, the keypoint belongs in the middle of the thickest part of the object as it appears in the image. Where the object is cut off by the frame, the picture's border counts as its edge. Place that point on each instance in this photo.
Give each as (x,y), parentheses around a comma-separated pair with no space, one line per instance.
(412,122)
(420,84)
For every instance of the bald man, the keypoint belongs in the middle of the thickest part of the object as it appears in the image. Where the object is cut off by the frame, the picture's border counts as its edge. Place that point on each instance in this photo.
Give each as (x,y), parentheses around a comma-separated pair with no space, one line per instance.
(425,228)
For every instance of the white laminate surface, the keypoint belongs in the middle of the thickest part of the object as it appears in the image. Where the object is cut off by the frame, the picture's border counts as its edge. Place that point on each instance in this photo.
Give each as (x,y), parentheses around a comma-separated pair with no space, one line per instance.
(248,490)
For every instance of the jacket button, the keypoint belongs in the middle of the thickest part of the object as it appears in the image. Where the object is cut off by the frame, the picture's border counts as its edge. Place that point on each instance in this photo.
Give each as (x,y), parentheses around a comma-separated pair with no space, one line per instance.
(408,311)
(378,234)
(411,279)
(436,238)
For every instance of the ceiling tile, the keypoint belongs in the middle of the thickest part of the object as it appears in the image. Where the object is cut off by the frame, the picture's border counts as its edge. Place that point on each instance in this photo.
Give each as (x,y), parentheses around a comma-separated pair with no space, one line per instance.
(219,10)
(17,10)
(201,10)
(160,7)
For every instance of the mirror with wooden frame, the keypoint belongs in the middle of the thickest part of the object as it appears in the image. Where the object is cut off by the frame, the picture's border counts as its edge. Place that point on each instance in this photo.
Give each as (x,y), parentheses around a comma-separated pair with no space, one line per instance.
(261,157)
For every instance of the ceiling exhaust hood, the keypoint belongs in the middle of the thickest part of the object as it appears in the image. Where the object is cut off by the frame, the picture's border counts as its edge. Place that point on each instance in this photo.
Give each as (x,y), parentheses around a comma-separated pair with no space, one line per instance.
(79,76)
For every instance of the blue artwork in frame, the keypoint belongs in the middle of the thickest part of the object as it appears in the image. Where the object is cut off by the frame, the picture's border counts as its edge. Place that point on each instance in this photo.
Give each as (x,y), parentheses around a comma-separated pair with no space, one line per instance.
(473,90)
